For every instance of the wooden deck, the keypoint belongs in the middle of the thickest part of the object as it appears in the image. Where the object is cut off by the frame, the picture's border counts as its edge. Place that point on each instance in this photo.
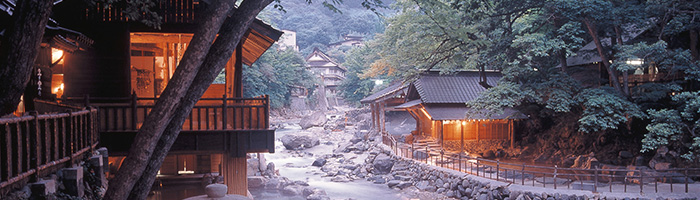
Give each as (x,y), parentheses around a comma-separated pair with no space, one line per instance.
(233,125)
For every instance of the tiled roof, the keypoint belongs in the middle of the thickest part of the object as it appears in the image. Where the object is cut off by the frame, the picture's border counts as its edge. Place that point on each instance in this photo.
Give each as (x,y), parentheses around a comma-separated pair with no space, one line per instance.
(384,92)
(456,88)
(459,111)
(409,104)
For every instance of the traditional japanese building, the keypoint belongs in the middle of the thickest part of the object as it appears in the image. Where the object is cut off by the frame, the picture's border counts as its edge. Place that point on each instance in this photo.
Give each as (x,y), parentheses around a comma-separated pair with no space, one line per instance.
(349,40)
(327,70)
(437,102)
(103,60)
(586,65)
(385,100)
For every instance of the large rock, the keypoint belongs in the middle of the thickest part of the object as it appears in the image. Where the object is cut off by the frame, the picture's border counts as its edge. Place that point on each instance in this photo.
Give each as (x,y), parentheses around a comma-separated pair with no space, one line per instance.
(319,162)
(315,119)
(216,190)
(256,181)
(382,164)
(297,141)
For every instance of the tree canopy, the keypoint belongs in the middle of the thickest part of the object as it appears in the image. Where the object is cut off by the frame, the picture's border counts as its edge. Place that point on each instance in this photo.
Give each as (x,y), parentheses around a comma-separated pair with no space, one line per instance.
(529,42)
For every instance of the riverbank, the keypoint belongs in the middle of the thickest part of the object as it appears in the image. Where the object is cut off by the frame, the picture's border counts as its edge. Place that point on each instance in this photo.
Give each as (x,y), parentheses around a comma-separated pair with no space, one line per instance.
(351,163)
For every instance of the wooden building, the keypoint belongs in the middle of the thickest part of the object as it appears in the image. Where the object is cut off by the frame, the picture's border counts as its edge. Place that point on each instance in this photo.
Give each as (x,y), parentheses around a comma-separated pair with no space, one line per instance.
(437,102)
(327,70)
(586,65)
(348,40)
(385,100)
(120,67)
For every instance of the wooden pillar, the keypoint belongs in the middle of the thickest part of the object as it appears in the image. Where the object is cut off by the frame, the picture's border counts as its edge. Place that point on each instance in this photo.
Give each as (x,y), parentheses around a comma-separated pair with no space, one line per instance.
(235,174)
(461,137)
(478,124)
(374,116)
(238,76)
(441,128)
(511,132)
(381,117)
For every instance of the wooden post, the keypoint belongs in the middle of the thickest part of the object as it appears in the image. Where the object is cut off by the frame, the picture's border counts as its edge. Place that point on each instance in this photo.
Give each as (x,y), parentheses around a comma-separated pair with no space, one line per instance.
(34,149)
(477,130)
(87,100)
(235,174)
(461,143)
(134,111)
(237,77)
(223,113)
(267,112)
(511,130)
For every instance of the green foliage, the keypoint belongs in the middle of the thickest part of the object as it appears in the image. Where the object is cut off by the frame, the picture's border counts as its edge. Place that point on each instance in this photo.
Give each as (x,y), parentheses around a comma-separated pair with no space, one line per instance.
(504,95)
(604,109)
(357,85)
(327,21)
(136,10)
(676,127)
(275,74)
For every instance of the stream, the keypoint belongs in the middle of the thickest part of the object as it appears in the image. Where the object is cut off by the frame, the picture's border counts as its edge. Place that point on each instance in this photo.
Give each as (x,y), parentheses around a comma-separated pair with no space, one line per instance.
(299,169)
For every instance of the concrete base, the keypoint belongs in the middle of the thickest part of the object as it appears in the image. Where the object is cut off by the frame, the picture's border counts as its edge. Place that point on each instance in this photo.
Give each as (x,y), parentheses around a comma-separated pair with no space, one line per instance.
(73,181)
(43,189)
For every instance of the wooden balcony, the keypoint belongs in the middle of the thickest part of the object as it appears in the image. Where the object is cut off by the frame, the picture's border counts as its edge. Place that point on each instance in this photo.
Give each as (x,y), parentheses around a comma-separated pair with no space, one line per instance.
(36,145)
(638,79)
(215,125)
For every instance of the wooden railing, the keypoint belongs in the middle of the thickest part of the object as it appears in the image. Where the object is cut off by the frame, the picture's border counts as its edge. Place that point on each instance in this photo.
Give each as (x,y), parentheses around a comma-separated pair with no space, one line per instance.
(35,146)
(170,11)
(640,180)
(208,114)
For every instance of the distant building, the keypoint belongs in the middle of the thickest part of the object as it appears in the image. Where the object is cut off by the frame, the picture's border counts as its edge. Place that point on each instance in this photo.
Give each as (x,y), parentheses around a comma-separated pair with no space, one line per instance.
(288,40)
(436,101)
(349,40)
(327,70)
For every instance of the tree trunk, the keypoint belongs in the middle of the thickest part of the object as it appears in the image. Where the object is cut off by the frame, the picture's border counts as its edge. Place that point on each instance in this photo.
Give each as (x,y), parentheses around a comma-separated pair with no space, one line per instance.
(229,37)
(625,74)
(19,49)
(612,73)
(562,60)
(161,114)
(694,44)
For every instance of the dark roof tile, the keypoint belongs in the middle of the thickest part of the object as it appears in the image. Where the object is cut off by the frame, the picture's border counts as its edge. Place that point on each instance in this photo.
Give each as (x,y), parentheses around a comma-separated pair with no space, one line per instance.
(456,88)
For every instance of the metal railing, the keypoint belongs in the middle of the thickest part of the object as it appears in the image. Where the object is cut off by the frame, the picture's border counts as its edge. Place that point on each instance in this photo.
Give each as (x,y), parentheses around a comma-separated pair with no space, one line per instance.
(597,179)
(35,146)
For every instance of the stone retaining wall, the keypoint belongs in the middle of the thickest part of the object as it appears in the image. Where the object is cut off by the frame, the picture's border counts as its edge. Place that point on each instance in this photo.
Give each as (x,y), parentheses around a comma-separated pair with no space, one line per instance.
(407,174)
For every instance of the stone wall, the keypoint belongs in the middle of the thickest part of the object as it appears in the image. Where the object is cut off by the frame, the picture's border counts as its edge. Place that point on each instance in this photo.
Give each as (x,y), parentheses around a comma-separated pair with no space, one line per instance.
(410,174)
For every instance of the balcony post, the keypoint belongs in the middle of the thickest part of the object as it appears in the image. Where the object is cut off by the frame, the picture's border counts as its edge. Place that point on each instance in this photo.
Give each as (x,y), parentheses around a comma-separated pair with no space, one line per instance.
(134,107)
(267,112)
(223,113)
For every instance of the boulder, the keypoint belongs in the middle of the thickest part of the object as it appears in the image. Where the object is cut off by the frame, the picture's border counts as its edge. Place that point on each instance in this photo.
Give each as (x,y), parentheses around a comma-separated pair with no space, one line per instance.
(625,154)
(382,164)
(489,154)
(662,166)
(256,181)
(315,119)
(403,185)
(216,190)
(292,190)
(393,183)
(299,141)
(639,161)
(319,162)
(340,179)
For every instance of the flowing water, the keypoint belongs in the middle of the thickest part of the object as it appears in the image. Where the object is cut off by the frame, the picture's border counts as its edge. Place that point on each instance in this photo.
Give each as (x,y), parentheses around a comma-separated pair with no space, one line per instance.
(299,168)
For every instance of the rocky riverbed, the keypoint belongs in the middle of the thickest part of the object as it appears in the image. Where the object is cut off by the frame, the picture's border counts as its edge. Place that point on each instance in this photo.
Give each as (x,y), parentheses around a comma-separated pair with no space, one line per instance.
(334,156)
(325,156)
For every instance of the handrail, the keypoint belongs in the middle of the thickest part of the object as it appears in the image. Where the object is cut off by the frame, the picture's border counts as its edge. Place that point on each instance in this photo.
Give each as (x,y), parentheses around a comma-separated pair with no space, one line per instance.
(35,146)
(583,179)
(210,114)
